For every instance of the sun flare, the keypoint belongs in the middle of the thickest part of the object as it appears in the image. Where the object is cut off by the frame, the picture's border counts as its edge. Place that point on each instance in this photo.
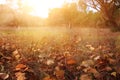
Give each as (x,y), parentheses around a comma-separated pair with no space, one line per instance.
(41,7)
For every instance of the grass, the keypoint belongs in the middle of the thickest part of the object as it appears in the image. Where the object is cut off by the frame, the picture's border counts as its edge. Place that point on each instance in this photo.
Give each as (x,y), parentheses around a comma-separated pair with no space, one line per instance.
(47,37)
(58,34)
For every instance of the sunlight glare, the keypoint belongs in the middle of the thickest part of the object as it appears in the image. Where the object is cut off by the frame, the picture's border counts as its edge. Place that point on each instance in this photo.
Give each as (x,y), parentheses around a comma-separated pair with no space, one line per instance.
(2,1)
(41,7)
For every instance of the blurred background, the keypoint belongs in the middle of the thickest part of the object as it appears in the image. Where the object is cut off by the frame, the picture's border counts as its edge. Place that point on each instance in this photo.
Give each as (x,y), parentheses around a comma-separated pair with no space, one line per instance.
(60,13)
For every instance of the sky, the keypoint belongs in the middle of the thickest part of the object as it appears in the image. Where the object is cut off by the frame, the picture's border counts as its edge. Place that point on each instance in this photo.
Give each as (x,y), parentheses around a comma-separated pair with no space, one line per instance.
(40,7)
(2,1)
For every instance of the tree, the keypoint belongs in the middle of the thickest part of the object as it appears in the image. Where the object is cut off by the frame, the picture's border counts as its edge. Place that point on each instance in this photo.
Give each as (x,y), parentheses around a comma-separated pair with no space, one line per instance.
(107,9)
(66,15)
(21,10)
(6,15)
(70,13)
(55,17)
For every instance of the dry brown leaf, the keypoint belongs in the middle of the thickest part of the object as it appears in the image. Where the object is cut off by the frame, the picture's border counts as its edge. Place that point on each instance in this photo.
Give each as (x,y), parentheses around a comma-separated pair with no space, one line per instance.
(48,78)
(112,61)
(94,71)
(90,47)
(16,55)
(107,68)
(85,77)
(67,54)
(59,73)
(20,76)
(96,58)
(8,58)
(1,63)
(3,76)
(87,63)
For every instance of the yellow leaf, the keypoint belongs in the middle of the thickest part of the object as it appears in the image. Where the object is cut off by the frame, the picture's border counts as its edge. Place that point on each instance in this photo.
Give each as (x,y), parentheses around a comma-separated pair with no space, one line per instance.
(113,73)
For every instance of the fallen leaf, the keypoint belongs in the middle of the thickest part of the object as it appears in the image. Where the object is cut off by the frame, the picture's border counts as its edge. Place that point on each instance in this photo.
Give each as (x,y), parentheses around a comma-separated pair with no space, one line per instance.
(20,76)
(8,58)
(3,76)
(2,68)
(1,63)
(85,77)
(90,47)
(59,73)
(112,61)
(47,78)
(71,61)
(16,55)
(96,58)
(20,66)
(87,63)
(114,74)
(108,68)
(94,71)
(50,62)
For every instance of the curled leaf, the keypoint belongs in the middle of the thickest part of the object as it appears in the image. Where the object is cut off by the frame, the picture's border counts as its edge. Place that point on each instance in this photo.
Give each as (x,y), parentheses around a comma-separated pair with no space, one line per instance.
(3,76)
(114,74)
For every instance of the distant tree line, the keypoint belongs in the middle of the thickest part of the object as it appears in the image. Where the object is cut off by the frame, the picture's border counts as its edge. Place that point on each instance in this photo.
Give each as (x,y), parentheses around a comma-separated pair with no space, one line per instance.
(71,15)
(84,13)
(88,13)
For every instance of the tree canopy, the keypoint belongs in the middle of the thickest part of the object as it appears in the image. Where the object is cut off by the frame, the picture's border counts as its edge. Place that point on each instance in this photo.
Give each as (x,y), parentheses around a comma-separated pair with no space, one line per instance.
(67,15)
(107,9)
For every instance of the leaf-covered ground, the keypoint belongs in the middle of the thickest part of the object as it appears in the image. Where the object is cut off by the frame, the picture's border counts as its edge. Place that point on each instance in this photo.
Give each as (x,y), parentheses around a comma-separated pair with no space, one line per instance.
(59,55)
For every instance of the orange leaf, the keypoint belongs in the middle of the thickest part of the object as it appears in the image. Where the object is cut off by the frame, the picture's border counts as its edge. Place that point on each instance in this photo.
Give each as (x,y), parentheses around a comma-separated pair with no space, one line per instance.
(71,61)
(47,78)
(59,73)
(20,66)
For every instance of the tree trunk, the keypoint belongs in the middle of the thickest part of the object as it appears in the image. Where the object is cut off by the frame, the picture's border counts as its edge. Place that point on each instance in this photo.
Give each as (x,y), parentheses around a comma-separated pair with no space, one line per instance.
(69,25)
(110,22)
(114,26)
